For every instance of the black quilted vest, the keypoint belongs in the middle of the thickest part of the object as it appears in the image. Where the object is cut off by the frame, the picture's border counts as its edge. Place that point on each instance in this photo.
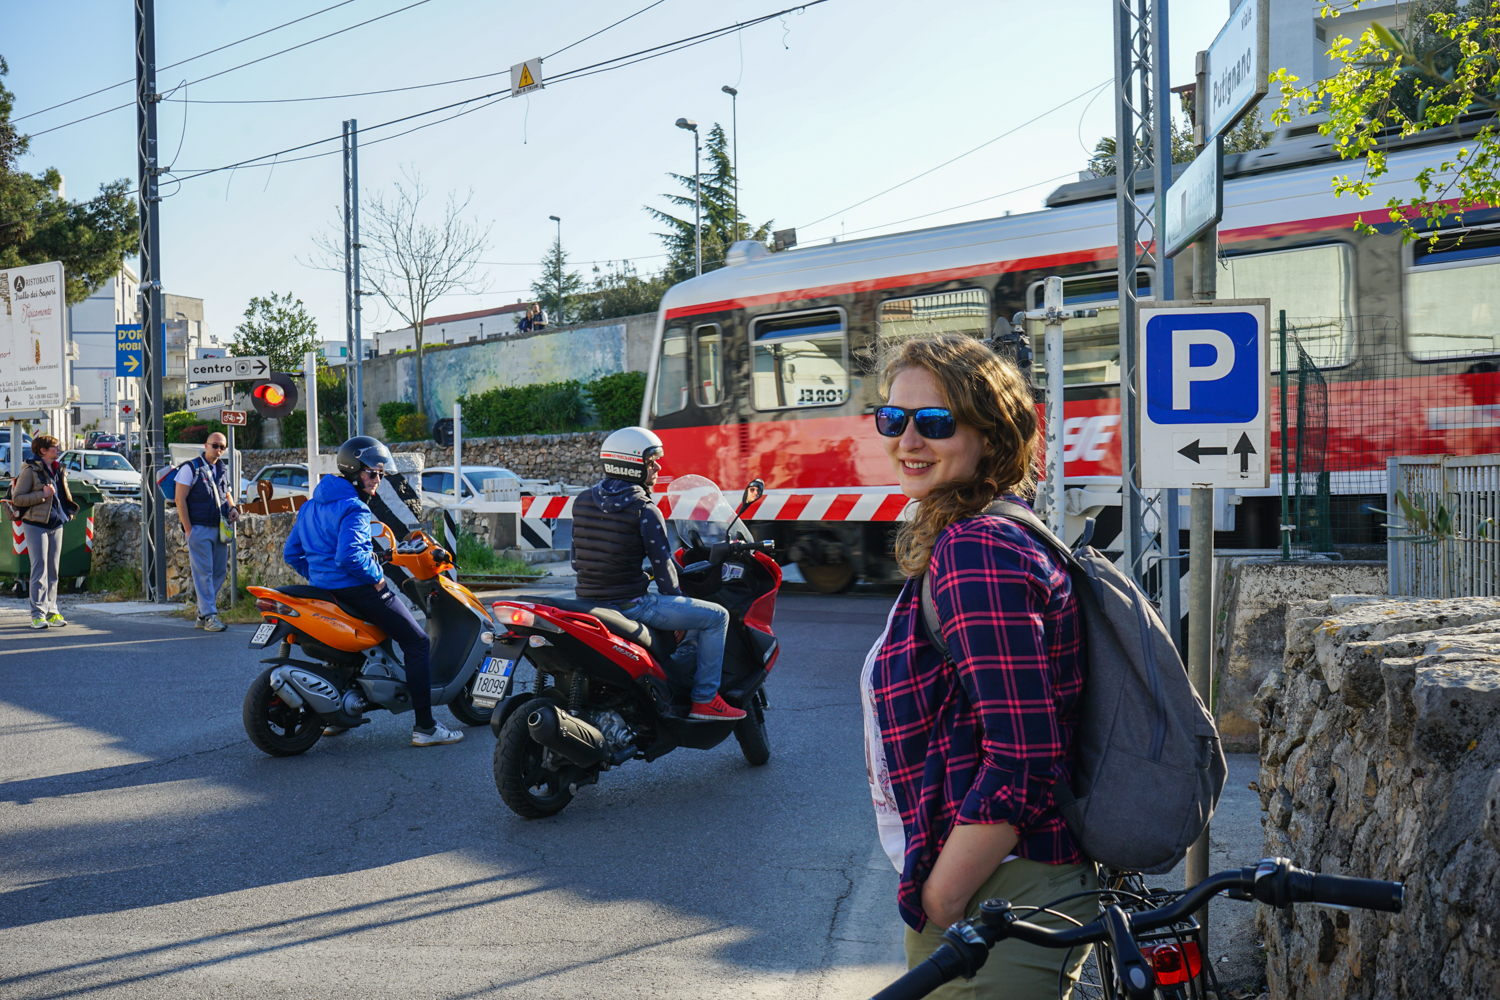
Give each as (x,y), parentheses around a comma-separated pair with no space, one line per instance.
(608,550)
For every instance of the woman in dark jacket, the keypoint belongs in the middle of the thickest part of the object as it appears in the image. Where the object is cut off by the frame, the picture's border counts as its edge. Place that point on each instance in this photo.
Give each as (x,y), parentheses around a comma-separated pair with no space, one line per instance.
(42,496)
(963,755)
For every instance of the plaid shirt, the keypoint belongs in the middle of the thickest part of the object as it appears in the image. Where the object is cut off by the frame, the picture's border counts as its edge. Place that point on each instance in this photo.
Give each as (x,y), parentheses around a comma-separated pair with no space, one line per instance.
(984,744)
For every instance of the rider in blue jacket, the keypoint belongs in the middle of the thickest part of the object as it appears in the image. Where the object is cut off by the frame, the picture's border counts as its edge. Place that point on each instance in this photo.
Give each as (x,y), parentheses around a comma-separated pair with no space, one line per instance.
(330,545)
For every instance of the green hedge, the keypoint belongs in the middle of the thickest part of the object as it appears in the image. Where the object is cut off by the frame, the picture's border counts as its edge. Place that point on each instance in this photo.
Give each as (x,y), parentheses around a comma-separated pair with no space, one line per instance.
(390,415)
(555,407)
(187,427)
(294,431)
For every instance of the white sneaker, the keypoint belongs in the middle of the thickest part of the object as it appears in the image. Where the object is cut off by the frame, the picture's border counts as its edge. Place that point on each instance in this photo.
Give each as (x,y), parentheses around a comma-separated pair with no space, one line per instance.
(440,734)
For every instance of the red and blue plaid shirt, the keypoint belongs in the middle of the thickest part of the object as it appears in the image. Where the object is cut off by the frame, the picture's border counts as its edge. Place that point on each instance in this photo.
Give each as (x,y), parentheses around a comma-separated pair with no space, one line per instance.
(984,744)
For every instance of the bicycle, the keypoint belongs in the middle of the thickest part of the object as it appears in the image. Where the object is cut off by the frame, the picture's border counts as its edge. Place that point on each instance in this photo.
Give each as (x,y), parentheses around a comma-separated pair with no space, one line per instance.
(1125,970)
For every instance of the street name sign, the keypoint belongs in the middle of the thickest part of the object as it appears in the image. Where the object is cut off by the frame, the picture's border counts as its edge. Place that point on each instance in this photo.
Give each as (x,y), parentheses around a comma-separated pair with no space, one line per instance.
(228,369)
(526,77)
(1195,201)
(1238,65)
(232,418)
(1204,398)
(208,397)
(33,339)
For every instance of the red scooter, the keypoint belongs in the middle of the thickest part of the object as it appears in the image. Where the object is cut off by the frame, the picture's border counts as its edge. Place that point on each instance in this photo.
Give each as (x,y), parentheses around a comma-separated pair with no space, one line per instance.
(608,689)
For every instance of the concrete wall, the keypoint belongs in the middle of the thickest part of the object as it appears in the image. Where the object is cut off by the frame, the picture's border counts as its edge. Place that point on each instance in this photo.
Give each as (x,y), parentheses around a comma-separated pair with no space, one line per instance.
(1380,758)
(555,354)
(1253,594)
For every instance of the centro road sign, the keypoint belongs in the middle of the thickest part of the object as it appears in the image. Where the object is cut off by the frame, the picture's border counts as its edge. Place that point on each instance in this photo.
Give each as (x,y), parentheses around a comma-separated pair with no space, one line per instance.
(208,397)
(228,369)
(1205,391)
(1238,63)
(232,418)
(1195,200)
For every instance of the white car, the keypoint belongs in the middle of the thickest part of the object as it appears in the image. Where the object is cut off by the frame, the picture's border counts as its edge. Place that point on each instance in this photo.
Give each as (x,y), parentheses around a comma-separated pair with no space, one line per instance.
(107,471)
(437,483)
(286,481)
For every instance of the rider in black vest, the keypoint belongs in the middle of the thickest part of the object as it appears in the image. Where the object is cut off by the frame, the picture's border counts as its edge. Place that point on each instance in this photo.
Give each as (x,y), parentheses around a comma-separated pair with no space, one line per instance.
(616,528)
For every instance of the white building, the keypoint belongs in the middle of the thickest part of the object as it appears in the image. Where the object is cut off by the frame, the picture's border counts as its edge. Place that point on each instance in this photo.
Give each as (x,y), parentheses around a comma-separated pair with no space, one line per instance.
(92,325)
(459,328)
(1300,38)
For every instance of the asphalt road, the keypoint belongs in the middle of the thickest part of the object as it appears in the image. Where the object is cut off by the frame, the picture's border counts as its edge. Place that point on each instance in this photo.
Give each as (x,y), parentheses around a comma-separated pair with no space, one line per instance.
(148,850)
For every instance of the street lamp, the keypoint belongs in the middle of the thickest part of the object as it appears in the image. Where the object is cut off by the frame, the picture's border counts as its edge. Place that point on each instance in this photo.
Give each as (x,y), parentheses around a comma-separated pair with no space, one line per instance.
(692,127)
(734,126)
(559,267)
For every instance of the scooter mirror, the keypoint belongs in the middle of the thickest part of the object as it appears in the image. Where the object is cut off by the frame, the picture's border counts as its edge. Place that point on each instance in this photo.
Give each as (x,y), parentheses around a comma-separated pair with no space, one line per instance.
(753,492)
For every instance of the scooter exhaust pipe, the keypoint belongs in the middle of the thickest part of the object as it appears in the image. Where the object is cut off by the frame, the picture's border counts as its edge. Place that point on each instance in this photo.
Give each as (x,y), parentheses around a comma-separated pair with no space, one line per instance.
(567,735)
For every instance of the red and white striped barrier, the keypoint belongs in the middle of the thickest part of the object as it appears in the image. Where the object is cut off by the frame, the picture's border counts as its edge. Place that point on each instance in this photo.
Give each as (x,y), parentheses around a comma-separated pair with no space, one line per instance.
(17,538)
(88,538)
(790,506)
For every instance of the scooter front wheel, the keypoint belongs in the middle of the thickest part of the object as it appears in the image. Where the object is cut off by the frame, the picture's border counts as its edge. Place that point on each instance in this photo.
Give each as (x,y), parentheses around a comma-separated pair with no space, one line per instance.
(529,789)
(276,727)
(755,742)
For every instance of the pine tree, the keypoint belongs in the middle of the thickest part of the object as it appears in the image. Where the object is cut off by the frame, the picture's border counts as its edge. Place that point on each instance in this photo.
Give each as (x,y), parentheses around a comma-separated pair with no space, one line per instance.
(718,213)
(560,309)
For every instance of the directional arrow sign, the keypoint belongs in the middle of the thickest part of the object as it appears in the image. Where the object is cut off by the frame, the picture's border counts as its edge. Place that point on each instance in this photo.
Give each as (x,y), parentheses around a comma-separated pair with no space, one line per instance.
(1204,393)
(228,369)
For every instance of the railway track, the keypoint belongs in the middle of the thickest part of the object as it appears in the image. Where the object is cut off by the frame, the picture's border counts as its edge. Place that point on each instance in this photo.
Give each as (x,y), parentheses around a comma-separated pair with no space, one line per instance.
(493,580)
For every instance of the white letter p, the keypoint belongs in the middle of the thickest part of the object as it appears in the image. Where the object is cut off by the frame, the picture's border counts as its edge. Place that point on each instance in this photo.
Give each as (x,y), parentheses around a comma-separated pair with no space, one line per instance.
(1183,372)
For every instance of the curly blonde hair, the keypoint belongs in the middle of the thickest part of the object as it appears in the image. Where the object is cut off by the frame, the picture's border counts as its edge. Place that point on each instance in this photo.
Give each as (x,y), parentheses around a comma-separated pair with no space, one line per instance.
(989,395)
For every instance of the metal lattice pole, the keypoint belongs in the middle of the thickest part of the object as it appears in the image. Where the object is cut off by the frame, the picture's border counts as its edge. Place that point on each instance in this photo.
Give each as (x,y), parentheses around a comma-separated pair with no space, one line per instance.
(153,527)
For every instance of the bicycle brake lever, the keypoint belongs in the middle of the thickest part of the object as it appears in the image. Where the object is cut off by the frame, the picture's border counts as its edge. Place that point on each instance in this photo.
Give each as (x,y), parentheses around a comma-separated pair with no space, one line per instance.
(1136,973)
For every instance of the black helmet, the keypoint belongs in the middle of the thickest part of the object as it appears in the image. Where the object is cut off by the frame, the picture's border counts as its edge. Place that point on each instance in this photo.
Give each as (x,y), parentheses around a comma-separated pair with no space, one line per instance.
(363,452)
(626,452)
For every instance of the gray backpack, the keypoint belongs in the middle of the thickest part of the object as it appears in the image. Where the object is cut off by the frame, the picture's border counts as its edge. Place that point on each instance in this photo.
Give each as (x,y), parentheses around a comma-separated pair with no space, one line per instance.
(1149,768)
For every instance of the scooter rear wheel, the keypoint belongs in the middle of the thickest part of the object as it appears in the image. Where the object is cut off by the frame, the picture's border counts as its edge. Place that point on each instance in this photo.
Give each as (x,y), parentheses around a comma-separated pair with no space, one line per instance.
(276,727)
(750,732)
(525,786)
(467,713)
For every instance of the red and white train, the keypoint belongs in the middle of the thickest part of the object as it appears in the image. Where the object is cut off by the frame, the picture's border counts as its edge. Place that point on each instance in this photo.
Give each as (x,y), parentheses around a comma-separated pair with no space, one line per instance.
(766,367)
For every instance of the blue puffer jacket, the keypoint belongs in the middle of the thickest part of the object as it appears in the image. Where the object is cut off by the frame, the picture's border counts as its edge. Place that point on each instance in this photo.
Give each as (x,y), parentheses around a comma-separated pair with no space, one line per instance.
(330,543)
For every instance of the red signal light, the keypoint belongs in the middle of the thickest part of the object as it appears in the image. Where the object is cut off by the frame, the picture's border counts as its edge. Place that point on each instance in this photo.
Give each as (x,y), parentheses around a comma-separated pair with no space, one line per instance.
(275,396)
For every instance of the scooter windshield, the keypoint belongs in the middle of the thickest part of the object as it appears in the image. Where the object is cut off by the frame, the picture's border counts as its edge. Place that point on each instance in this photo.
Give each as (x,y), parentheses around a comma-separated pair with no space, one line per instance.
(696,504)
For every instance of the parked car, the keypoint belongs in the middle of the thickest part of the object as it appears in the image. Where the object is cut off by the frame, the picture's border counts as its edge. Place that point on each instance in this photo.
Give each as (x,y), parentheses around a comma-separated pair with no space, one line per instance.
(108,472)
(26,455)
(286,481)
(437,483)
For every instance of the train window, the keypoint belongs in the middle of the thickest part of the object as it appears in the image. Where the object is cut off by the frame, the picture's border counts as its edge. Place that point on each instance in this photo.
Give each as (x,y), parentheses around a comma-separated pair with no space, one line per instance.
(1313,284)
(799,360)
(966,311)
(672,372)
(1091,346)
(709,347)
(1450,295)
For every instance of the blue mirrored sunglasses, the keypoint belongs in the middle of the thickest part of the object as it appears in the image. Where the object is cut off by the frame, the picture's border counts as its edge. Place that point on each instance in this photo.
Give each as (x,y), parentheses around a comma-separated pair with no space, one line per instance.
(933,422)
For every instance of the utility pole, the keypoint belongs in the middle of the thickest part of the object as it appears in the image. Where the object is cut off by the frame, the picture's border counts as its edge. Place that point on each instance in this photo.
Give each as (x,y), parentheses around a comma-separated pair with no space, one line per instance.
(734,127)
(353,371)
(558,318)
(153,527)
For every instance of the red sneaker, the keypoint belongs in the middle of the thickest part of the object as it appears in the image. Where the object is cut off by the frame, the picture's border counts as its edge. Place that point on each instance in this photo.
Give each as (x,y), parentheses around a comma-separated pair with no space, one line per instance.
(717,710)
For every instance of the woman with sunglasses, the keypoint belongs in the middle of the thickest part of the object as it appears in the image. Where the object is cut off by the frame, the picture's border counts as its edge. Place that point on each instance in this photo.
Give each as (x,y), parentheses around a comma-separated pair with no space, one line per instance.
(963,755)
(42,495)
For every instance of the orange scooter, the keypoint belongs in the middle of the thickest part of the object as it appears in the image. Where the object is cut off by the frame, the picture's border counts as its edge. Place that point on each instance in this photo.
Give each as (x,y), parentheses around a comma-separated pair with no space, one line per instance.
(347,667)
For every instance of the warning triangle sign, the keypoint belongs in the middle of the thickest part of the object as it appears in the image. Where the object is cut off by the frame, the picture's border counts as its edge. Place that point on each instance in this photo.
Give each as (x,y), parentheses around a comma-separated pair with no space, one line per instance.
(526,80)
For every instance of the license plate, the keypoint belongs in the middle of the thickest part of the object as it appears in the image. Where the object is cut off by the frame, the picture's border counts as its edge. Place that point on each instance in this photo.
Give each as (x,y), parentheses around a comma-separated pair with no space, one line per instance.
(493,679)
(262,635)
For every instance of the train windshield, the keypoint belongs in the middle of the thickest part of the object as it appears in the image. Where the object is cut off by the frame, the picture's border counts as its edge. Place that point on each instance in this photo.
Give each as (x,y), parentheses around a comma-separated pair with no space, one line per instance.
(697,505)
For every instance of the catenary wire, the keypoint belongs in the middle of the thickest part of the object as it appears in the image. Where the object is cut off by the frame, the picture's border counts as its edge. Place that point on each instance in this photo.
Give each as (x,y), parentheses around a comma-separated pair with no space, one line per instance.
(960,156)
(252,62)
(601,31)
(181,62)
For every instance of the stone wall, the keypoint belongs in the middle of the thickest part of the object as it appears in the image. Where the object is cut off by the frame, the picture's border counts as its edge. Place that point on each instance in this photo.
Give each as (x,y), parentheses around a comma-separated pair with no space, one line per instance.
(1253,593)
(117,542)
(1380,740)
(568,458)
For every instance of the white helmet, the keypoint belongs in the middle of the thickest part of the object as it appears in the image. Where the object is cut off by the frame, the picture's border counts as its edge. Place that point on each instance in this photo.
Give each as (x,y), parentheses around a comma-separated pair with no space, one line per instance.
(627,451)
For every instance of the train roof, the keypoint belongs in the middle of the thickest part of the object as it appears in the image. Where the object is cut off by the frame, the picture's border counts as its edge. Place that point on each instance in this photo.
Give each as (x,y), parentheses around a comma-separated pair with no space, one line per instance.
(1290,184)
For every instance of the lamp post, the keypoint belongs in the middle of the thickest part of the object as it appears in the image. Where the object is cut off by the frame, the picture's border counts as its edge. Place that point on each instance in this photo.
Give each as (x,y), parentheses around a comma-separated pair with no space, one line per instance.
(692,127)
(559,267)
(734,130)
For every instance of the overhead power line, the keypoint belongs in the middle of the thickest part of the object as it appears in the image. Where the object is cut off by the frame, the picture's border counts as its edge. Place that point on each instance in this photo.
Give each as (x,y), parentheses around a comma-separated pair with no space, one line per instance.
(183,62)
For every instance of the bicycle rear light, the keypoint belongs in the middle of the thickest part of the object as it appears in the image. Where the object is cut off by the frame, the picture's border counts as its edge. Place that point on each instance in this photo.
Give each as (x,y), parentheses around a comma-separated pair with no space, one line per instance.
(1174,963)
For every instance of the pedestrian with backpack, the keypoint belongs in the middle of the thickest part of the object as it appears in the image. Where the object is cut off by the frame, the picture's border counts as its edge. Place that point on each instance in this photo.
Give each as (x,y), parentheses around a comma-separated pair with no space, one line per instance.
(40,494)
(964,753)
(207,511)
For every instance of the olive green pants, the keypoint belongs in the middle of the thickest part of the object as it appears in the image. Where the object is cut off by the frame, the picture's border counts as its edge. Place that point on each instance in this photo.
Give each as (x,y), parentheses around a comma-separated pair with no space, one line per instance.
(1015,970)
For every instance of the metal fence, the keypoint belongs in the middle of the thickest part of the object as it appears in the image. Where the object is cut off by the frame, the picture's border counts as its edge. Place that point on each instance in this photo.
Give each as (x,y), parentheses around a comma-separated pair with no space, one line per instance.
(1444,511)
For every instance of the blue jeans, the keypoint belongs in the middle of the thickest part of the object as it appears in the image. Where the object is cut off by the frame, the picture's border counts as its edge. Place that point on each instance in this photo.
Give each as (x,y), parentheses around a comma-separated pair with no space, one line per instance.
(708,623)
(209,558)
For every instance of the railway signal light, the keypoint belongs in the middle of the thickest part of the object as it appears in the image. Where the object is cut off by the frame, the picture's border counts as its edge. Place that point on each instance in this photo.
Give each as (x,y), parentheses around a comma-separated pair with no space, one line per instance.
(275,396)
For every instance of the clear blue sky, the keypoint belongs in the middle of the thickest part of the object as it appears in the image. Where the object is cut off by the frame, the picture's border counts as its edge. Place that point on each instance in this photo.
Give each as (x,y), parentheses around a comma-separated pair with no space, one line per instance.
(836,104)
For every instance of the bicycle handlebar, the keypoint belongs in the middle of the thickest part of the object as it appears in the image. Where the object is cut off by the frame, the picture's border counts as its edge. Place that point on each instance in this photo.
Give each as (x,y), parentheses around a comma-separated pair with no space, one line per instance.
(1275,881)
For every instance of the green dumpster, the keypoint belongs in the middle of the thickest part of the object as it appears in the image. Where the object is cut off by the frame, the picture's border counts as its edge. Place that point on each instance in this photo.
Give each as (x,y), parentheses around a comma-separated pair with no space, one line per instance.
(78,540)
